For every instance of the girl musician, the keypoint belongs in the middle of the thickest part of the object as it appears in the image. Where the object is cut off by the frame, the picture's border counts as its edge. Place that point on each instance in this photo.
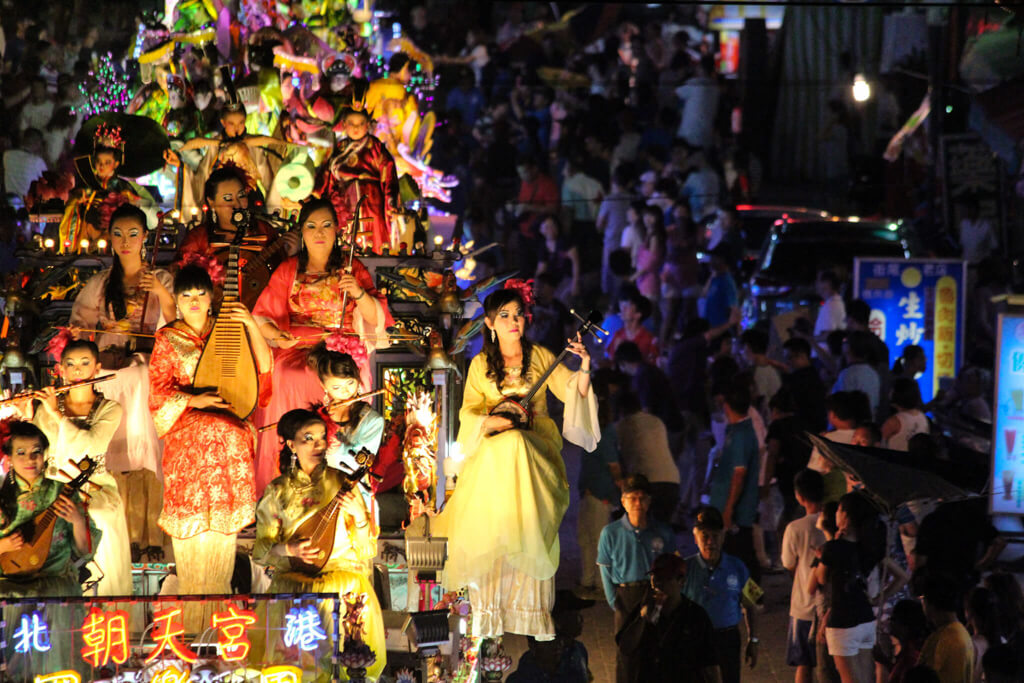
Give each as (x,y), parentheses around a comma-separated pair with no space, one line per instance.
(307,483)
(207,463)
(502,520)
(350,426)
(82,422)
(25,493)
(300,306)
(115,300)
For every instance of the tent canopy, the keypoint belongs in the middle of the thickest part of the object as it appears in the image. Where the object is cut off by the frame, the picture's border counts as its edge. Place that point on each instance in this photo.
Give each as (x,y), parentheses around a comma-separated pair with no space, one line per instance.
(888,484)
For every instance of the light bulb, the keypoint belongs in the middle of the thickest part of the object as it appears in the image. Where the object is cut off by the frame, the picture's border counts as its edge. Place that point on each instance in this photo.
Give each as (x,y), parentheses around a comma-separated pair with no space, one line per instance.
(861,88)
(48,243)
(84,244)
(101,244)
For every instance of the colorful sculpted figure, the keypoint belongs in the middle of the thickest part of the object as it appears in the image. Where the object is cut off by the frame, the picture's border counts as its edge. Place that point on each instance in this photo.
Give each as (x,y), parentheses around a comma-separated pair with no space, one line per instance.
(100,192)
(362,173)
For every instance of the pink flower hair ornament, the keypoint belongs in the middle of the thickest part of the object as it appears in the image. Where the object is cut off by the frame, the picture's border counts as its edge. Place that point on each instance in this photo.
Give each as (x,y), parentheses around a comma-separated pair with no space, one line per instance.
(55,347)
(207,263)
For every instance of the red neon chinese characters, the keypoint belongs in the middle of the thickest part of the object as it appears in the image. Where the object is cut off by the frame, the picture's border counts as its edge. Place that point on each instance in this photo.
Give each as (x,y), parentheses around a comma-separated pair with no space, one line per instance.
(105,635)
(167,632)
(232,625)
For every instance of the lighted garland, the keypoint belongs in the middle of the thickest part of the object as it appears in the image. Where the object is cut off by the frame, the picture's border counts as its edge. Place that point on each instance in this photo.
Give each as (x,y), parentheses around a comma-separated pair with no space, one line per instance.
(106,90)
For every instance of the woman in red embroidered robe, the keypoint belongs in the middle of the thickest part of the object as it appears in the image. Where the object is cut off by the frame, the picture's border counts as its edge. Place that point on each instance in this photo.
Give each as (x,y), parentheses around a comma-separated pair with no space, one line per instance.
(209,491)
(300,307)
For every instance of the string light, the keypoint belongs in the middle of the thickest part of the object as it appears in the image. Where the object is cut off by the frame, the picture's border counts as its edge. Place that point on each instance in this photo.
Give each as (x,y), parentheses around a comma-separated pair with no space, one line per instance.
(110,90)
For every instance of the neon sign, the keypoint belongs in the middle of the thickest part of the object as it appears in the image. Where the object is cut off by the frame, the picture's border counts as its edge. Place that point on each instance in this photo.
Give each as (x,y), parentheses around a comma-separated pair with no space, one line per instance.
(232,625)
(167,634)
(303,628)
(32,634)
(105,635)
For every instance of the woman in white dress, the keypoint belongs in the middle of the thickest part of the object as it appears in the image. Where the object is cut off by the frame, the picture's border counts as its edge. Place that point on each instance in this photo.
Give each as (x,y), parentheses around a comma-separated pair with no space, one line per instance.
(78,423)
(130,298)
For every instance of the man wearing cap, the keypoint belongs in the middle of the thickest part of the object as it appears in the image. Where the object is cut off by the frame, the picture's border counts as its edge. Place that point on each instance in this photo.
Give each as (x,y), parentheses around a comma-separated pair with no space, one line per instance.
(668,637)
(716,582)
(625,553)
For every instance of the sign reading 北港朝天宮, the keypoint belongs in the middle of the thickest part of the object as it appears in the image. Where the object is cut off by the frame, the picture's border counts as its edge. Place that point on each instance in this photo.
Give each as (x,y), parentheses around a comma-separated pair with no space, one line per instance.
(1006,488)
(917,301)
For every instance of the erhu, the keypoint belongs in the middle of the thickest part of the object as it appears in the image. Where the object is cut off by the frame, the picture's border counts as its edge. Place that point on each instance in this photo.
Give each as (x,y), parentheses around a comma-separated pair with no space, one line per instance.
(517,408)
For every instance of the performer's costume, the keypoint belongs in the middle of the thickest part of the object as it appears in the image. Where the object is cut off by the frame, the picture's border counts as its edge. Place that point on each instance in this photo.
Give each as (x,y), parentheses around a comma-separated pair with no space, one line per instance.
(209,490)
(134,452)
(502,520)
(57,578)
(287,503)
(71,438)
(309,307)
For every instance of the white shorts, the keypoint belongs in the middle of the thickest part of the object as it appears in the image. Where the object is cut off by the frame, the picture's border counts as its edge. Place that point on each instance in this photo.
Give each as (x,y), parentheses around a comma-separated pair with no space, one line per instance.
(847,642)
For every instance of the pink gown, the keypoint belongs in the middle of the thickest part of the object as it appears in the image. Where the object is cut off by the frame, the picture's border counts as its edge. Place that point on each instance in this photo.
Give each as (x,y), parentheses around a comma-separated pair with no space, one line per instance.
(307,307)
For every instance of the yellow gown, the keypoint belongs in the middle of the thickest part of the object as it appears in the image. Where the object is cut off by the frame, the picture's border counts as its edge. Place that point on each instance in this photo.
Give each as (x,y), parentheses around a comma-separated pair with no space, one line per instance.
(287,503)
(502,520)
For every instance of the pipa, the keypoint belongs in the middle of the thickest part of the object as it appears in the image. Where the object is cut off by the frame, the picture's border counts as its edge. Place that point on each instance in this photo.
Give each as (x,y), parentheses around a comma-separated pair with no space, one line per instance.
(37,533)
(228,365)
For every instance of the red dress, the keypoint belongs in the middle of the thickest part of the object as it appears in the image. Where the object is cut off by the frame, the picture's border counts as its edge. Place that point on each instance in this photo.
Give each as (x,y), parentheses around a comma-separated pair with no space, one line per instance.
(362,168)
(308,307)
(208,457)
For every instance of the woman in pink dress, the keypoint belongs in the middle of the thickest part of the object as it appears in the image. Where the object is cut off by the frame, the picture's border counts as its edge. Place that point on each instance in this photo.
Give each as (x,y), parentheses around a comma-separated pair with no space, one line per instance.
(300,307)
(650,256)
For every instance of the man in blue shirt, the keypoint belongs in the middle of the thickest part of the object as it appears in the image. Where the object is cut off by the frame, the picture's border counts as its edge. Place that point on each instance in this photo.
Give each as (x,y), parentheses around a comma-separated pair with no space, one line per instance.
(625,553)
(734,489)
(715,581)
(721,294)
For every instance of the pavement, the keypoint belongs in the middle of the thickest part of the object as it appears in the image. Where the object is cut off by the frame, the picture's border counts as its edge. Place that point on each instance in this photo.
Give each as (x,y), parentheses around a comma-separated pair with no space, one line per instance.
(598,634)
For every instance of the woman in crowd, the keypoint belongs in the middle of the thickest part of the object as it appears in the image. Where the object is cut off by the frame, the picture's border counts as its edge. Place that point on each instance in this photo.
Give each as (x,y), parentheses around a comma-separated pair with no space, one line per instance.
(125,300)
(845,563)
(209,492)
(559,257)
(308,483)
(650,255)
(24,493)
(81,422)
(301,306)
(502,521)
(909,418)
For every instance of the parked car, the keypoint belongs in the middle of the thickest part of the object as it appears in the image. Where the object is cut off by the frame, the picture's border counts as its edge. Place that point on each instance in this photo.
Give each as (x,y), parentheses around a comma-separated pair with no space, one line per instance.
(794,252)
(755,222)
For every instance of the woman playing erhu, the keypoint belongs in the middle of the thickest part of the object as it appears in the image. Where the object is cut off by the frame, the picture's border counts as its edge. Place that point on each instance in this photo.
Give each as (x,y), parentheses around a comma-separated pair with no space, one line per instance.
(301,306)
(130,298)
(502,521)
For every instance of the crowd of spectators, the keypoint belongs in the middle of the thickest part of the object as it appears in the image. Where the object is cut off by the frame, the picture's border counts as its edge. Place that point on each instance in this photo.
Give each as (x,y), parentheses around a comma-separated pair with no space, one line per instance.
(606,172)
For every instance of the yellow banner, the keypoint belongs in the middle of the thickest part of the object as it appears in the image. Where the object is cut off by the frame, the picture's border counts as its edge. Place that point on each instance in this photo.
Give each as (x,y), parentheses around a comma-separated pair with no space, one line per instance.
(945,330)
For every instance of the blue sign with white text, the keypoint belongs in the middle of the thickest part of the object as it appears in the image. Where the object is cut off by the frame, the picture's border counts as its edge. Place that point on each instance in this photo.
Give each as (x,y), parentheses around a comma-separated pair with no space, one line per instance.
(920,302)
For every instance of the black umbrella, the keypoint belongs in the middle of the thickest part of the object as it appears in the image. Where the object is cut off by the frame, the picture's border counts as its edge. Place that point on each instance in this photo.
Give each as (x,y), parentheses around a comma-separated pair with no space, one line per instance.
(144,143)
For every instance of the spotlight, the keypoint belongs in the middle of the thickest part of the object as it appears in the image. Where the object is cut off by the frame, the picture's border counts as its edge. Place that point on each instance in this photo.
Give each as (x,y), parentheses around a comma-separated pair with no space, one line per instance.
(84,244)
(101,244)
(861,88)
(48,243)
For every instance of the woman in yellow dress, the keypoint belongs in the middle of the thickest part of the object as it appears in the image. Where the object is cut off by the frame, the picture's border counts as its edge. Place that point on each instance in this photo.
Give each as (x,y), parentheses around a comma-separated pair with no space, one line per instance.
(502,520)
(305,486)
